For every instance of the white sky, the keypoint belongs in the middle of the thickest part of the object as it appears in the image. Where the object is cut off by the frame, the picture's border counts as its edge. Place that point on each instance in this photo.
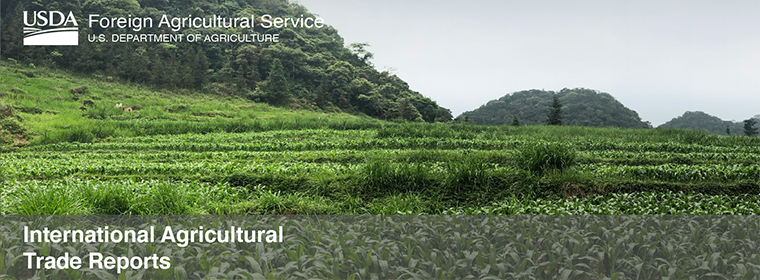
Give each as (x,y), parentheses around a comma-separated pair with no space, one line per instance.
(658,57)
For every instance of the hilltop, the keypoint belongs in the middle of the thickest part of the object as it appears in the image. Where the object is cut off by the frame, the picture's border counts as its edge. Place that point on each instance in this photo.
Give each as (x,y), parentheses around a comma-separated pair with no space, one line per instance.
(703,121)
(580,107)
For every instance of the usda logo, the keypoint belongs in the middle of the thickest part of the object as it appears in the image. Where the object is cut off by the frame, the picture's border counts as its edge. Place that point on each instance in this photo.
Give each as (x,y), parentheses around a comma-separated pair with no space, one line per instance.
(50,28)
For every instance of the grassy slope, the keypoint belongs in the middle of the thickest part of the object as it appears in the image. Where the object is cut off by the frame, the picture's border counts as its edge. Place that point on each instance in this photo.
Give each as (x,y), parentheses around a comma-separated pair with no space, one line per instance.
(184,153)
(46,95)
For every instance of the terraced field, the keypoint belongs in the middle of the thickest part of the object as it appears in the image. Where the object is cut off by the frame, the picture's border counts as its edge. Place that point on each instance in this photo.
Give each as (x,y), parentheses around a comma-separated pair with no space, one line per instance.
(394,168)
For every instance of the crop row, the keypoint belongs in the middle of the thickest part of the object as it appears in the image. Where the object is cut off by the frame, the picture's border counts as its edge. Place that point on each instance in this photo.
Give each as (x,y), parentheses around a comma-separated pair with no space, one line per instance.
(670,147)
(641,203)
(81,164)
(278,144)
(358,156)
(696,156)
(320,155)
(42,169)
(287,135)
(134,191)
(83,196)
(674,172)
(581,143)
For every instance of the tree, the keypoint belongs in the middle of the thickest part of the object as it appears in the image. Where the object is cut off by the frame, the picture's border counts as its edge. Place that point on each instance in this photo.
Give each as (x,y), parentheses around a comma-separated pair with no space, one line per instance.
(444,115)
(515,121)
(358,49)
(408,112)
(749,127)
(244,65)
(728,130)
(555,113)
(195,68)
(276,88)
(426,107)
(339,76)
(112,8)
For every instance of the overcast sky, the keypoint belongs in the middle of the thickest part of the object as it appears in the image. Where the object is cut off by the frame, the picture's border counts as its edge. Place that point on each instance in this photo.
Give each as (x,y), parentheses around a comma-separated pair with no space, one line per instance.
(659,58)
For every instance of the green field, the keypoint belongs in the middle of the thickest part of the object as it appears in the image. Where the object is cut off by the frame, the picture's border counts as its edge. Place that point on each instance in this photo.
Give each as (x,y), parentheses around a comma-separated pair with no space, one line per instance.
(188,152)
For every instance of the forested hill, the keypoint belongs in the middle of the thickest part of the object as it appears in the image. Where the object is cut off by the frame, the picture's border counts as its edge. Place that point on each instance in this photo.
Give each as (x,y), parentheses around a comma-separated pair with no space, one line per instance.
(704,121)
(580,107)
(307,68)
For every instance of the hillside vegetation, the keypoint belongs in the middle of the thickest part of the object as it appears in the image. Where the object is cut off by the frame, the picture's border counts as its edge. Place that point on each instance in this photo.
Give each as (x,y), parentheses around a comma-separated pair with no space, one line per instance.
(52,106)
(309,68)
(580,107)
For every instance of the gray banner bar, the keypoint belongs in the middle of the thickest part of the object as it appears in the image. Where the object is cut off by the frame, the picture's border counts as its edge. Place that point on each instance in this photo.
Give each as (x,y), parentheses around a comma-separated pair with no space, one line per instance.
(380,247)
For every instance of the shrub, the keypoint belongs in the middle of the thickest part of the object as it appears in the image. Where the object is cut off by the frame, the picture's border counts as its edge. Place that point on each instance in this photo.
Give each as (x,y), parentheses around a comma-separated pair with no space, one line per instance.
(538,158)
(5,137)
(11,125)
(79,90)
(103,112)
(79,135)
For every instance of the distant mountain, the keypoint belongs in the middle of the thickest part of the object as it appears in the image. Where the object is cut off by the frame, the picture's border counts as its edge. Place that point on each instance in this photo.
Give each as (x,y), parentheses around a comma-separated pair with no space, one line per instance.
(580,107)
(704,121)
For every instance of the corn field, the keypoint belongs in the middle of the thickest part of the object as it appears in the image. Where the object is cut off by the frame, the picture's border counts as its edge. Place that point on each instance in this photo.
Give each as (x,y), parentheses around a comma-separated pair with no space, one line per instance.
(396,168)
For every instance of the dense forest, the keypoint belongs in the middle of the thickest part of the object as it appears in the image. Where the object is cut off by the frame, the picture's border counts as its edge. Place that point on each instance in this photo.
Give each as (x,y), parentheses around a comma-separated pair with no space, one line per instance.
(704,121)
(580,107)
(307,68)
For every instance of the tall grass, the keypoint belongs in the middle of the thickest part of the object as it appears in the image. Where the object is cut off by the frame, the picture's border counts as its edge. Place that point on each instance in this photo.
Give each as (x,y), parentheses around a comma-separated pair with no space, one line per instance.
(466,180)
(541,157)
(108,199)
(43,199)
(88,131)
(164,199)
(381,177)
(73,196)
(469,180)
